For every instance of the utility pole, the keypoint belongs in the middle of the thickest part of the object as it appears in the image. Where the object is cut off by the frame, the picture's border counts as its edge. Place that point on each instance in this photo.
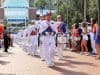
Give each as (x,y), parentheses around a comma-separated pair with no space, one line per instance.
(67,17)
(58,7)
(50,5)
(67,13)
(85,5)
(99,12)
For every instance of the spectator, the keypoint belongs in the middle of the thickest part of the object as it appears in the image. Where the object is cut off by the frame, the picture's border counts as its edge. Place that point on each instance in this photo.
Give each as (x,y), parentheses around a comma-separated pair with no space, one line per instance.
(1,34)
(6,40)
(76,37)
(97,41)
(94,23)
(1,30)
(84,48)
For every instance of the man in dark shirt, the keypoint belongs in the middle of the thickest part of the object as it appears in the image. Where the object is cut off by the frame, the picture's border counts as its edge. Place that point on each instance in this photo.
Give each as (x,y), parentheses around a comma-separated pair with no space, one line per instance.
(6,40)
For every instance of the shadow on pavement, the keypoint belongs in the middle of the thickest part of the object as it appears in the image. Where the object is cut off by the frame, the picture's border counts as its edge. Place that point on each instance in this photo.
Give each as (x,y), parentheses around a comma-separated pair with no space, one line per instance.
(6,54)
(11,53)
(4,62)
(71,63)
(67,72)
(64,64)
(68,57)
(37,56)
(6,74)
(3,55)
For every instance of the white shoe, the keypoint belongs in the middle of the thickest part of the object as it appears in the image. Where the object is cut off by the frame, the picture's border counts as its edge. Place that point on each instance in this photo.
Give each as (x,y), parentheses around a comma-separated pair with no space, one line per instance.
(60,58)
(81,53)
(86,53)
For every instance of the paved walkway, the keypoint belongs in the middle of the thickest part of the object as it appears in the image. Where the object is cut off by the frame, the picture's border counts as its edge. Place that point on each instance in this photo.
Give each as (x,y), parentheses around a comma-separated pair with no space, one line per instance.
(17,62)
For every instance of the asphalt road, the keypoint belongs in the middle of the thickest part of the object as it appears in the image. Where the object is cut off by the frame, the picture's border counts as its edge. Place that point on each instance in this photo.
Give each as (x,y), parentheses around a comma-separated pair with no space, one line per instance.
(18,62)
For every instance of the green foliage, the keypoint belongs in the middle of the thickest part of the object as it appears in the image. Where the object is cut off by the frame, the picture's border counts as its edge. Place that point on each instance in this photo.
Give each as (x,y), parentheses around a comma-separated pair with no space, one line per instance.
(40,3)
(54,16)
(92,9)
(31,3)
(73,10)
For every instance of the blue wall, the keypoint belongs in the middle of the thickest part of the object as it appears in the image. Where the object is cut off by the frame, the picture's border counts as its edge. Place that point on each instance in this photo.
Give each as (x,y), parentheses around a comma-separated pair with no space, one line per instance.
(16,10)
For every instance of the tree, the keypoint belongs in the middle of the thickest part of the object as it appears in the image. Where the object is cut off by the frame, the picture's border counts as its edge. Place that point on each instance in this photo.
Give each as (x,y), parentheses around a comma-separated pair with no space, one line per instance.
(73,10)
(92,9)
(40,3)
(31,3)
(57,4)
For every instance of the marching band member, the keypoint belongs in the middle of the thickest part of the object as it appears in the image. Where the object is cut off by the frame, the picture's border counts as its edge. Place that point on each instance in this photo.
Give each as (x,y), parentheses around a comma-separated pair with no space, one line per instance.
(61,30)
(25,40)
(33,39)
(40,38)
(20,36)
(49,32)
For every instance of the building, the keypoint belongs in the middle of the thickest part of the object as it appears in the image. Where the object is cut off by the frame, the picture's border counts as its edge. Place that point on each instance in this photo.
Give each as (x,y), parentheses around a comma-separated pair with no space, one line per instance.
(1,2)
(16,11)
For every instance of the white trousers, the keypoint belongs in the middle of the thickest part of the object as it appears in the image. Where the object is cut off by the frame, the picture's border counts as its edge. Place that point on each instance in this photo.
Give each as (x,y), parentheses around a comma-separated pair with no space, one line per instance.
(42,48)
(34,44)
(49,47)
(93,42)
(60,48)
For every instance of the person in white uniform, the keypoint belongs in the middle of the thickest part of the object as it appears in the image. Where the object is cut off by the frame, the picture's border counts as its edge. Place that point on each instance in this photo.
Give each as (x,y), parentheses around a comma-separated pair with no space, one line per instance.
(33,38)
(61,38)
(26,41)
(40,38)
(49,32)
